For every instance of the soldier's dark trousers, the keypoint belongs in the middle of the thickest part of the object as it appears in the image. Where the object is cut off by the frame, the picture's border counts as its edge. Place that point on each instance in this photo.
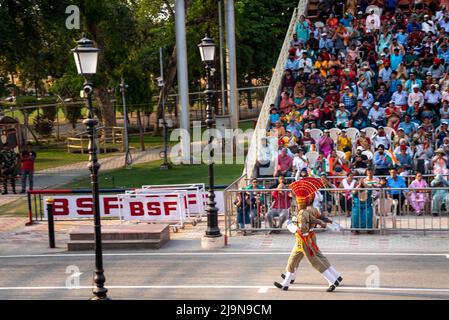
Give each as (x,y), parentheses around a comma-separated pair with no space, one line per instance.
(5,185)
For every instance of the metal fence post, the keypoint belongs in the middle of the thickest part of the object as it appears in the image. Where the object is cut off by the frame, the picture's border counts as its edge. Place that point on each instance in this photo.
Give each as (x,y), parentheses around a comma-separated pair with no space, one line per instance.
(51,223)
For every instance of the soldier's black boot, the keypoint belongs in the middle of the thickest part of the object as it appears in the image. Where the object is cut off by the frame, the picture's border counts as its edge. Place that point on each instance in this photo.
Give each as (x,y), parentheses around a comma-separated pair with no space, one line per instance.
(5,189)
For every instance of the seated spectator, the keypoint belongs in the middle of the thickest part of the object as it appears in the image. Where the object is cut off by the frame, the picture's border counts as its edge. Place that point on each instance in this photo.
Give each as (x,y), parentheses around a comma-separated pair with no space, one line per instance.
(360,117)
(342,117)
(307,143)
(274,116)
(381,138)
(395,182)
(363,140)
(299,164)
(440,162)
(311,115)
(418,197)
(405,163)
(326,144)
(393,115)
(360,162)
(337,165)
(408,127)
(423,155)
(264,155)
(344,144)
(440,197)
(400,137)
(280,205)
(284,164)
(381,162)
(377,115)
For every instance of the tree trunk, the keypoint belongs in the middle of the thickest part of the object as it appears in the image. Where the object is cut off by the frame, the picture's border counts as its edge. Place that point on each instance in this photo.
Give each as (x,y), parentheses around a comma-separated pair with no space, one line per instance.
(106,107)
(141,134)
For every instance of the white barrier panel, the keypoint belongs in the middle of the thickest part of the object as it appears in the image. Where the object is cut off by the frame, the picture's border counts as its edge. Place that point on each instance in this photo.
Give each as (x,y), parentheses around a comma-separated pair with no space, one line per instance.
(219,199)
(154,208)
(81,206)
(195,193)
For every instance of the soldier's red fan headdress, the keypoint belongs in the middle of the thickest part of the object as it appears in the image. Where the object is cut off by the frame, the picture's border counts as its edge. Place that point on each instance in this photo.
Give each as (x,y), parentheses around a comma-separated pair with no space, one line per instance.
(305,189)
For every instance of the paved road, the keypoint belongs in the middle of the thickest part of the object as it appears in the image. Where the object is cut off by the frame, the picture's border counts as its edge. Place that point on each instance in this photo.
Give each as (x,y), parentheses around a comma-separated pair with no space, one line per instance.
(225,275)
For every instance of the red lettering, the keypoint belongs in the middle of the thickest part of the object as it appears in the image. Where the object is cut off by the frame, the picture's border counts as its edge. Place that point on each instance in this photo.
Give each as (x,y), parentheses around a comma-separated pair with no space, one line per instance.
(110,203)
(61,207)
(154,209)
(169,207)
(136,209)
(84,203)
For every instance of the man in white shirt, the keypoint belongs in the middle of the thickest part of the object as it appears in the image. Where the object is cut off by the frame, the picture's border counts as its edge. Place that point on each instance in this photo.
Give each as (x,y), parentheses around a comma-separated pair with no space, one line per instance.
(376,115)
(372,21)
(381,139)
(306,63)
(433,97)
(428,25)
(299,163)
(416,96)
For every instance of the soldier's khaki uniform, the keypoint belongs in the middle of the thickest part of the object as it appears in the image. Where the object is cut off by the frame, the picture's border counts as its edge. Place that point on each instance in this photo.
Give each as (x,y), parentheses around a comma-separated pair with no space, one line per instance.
(306,244)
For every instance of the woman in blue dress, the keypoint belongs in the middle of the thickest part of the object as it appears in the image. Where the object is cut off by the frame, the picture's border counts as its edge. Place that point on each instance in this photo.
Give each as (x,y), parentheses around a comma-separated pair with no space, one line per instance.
(302,29)
(362,207)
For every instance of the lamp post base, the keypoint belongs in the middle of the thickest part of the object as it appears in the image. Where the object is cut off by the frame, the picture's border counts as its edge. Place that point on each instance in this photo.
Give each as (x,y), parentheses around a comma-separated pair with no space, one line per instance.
(212,243)
(97,298)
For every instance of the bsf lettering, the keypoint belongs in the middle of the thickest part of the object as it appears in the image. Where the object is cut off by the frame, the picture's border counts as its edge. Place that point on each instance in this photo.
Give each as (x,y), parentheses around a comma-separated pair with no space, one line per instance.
(137,209)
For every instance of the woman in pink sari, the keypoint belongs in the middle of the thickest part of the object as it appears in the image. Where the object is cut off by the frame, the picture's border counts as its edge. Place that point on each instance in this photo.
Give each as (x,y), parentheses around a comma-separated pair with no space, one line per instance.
(326,144)
(418,197)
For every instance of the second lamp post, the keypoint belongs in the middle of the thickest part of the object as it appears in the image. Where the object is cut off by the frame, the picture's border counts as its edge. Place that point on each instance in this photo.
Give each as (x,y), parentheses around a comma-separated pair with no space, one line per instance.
(207,51)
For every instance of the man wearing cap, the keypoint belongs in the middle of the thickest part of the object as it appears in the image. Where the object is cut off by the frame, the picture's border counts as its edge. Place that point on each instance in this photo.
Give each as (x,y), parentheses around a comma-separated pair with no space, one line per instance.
(377,115)
(348,98)
(302,226)
(416,96)
(307,143)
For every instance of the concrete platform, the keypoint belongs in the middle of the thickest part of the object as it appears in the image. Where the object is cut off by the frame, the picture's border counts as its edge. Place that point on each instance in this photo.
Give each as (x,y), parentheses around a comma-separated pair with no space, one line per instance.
(139,236)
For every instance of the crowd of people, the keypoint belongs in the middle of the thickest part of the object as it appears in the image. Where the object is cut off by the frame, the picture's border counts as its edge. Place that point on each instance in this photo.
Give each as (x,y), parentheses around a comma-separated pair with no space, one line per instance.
(383,69)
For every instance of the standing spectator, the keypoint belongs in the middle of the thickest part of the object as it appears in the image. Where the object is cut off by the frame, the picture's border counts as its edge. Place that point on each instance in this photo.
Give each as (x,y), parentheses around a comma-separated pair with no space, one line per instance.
(27,167)
(439,163)
(362,208)
(439,196)
(8,162)
(348,184)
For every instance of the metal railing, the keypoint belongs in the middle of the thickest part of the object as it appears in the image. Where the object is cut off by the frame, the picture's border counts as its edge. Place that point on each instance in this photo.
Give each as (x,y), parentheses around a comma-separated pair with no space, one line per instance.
(273,90)
(370,210)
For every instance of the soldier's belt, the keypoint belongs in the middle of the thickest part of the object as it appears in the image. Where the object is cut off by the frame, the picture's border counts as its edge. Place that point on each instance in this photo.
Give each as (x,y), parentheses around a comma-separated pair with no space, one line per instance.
(306,237)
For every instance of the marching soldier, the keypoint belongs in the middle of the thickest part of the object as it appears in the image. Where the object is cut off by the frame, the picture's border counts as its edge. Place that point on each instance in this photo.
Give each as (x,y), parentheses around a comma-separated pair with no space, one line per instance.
(302,227)
(8,160)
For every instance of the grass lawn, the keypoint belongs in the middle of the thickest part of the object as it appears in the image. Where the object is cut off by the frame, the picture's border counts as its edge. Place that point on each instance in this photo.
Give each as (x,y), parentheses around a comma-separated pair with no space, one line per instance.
(56,156)
(150,173)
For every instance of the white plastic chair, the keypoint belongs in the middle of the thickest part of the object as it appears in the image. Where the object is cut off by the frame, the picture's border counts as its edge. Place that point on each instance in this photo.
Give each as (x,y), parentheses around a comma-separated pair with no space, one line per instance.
(316,134)
(353,134)
(384,210)
(334,133)
(370,132)
(312,157)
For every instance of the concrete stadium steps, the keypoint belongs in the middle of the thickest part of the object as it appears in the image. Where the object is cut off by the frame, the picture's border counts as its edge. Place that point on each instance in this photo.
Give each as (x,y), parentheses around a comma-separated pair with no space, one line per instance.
(140,236)
(312,9)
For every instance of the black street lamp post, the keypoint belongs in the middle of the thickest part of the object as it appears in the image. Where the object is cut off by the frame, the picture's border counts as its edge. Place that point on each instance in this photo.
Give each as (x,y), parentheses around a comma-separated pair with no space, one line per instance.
(207,50)
(86,58)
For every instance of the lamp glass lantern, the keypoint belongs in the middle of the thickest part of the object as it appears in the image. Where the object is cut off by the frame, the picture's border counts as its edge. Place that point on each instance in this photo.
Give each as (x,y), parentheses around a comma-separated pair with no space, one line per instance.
(207,50)
(86,57)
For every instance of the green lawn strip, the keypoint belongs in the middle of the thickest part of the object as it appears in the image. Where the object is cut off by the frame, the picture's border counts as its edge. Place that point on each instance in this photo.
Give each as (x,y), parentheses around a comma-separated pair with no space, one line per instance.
(18,208)
(56,156)
(151,174)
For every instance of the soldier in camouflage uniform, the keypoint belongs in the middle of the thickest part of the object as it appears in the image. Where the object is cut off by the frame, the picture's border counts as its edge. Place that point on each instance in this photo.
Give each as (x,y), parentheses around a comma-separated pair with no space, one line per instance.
(8,163)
